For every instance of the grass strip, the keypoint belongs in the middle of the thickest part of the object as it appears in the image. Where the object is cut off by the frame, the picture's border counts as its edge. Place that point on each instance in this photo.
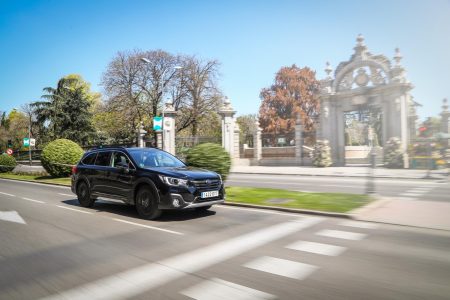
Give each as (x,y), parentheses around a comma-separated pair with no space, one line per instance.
(329,202)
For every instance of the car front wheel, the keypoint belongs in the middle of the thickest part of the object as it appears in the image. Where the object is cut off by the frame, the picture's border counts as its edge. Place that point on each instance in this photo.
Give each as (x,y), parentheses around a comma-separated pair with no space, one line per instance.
(147,204)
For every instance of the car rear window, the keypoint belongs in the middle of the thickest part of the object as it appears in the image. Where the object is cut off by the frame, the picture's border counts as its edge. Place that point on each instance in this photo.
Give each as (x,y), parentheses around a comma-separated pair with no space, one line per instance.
(89,159)
(103,159)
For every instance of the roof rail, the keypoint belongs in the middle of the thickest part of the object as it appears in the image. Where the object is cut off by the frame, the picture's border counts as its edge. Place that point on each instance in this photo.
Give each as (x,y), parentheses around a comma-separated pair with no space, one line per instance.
(99,147)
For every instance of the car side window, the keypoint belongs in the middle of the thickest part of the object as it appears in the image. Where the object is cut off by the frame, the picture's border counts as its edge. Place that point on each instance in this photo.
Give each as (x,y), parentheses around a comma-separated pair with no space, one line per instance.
(89,159)
(119,159)
(103,159)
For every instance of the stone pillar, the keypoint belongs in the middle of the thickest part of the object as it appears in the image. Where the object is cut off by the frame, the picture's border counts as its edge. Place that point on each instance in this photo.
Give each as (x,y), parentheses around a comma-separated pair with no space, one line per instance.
(299,141)
(159,142)
(236,138)
(169,128)
(257,145)
(445,124)
(140,135)
(227,113)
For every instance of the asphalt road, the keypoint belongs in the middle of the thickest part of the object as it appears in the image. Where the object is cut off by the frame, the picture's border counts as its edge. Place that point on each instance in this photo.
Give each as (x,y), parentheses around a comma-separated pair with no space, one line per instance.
(53,249)
(414,189)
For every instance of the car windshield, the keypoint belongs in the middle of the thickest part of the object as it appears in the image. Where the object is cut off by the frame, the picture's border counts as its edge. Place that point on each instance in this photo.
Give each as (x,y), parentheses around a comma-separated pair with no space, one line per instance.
(151,158)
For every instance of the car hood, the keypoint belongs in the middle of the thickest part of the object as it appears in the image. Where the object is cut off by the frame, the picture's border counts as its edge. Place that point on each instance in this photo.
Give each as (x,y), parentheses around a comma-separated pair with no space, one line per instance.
(188,172)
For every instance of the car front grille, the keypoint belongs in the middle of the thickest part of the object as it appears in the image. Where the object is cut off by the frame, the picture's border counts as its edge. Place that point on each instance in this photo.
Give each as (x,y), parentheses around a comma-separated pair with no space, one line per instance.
(207,184)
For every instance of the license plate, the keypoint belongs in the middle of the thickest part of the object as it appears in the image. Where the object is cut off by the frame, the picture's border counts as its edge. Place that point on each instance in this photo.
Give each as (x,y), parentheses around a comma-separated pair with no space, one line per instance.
(209,194)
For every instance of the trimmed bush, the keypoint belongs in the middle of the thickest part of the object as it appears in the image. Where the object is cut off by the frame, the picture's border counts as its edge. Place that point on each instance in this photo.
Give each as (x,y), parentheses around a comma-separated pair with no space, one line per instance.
(211,157)
(7,163)
(322,154)
(393,155)
(58,157)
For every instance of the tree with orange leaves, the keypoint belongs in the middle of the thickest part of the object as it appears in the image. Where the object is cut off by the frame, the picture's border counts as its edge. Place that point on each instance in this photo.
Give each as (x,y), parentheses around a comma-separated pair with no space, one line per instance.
(294,92)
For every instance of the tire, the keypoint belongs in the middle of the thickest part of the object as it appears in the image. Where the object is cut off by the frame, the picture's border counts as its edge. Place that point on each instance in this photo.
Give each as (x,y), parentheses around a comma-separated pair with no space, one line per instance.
(84,195)
(147,203)
(203,208)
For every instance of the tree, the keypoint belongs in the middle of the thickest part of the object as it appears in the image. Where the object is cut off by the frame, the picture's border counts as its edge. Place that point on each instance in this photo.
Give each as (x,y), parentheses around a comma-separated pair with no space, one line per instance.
(137,82)
(247,127)
(295,91)
(112,127)
(16,129)
(202,96)
(66,111)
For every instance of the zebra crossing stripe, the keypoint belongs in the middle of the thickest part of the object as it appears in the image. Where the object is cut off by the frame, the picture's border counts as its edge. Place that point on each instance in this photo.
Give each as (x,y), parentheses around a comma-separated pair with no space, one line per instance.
(217,289)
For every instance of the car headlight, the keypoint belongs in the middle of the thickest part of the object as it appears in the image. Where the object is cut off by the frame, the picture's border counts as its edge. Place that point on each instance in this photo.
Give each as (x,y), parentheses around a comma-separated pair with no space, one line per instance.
(174,181)
(220,178)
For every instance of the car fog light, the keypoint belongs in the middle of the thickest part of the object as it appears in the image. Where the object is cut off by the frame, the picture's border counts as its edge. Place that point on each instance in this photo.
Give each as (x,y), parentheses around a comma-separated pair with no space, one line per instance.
(176,202)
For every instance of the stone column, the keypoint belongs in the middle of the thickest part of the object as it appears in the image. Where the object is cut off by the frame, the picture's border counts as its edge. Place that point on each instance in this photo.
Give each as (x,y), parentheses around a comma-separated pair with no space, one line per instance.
(299,141)
(159,142)
(236,138)
(257,145)
(445,124)
(227,113)
(140,135)
(169,128)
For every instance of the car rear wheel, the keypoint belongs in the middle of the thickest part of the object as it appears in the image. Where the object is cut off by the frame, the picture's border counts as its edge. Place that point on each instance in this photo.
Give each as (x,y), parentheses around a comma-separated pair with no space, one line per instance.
(84,195)
(147,204)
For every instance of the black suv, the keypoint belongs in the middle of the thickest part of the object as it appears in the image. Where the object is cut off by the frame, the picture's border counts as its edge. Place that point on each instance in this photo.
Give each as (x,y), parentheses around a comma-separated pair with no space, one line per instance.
(151,179)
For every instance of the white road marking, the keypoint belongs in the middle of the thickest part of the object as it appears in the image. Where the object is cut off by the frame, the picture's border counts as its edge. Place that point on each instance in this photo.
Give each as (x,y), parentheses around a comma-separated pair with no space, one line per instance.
(11,216)
(282,267)
(32,200)
(359,224)
(343,186)
(6,194)
(147,226)
(410,195)
(136,281)
(346,235)
(68,195)
(317,248)
(217,289)
(424,188)
(418,192)
(405,198)
(78,210)
(263,211)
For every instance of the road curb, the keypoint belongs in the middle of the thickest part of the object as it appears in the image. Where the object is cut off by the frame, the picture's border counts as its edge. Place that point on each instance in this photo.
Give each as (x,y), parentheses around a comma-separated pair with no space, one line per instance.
(337,175)
(290,210)
(282,209)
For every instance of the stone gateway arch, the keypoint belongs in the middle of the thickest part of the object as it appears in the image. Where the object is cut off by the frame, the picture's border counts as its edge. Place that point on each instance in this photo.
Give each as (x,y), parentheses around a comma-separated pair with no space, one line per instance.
(364,104)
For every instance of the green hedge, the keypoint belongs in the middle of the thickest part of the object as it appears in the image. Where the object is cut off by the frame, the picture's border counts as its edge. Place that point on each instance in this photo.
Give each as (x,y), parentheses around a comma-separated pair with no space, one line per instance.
(7,163)
(58,157)
(211,157)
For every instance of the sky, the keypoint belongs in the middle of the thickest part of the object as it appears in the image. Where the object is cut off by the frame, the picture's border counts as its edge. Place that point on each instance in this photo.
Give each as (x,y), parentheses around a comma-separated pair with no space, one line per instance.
(42,41)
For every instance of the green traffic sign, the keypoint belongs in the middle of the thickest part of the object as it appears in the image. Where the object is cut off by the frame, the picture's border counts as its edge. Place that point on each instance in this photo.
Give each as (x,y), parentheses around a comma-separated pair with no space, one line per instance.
(26,142)
(157,123)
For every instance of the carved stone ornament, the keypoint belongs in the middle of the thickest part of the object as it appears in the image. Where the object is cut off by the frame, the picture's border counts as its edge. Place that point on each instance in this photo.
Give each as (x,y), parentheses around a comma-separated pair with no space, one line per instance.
(361,79)
(359,100)
(346,82)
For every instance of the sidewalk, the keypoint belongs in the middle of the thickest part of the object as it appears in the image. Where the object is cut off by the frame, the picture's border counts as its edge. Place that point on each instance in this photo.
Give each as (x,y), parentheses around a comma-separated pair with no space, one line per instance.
(340,171)
(417,213)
